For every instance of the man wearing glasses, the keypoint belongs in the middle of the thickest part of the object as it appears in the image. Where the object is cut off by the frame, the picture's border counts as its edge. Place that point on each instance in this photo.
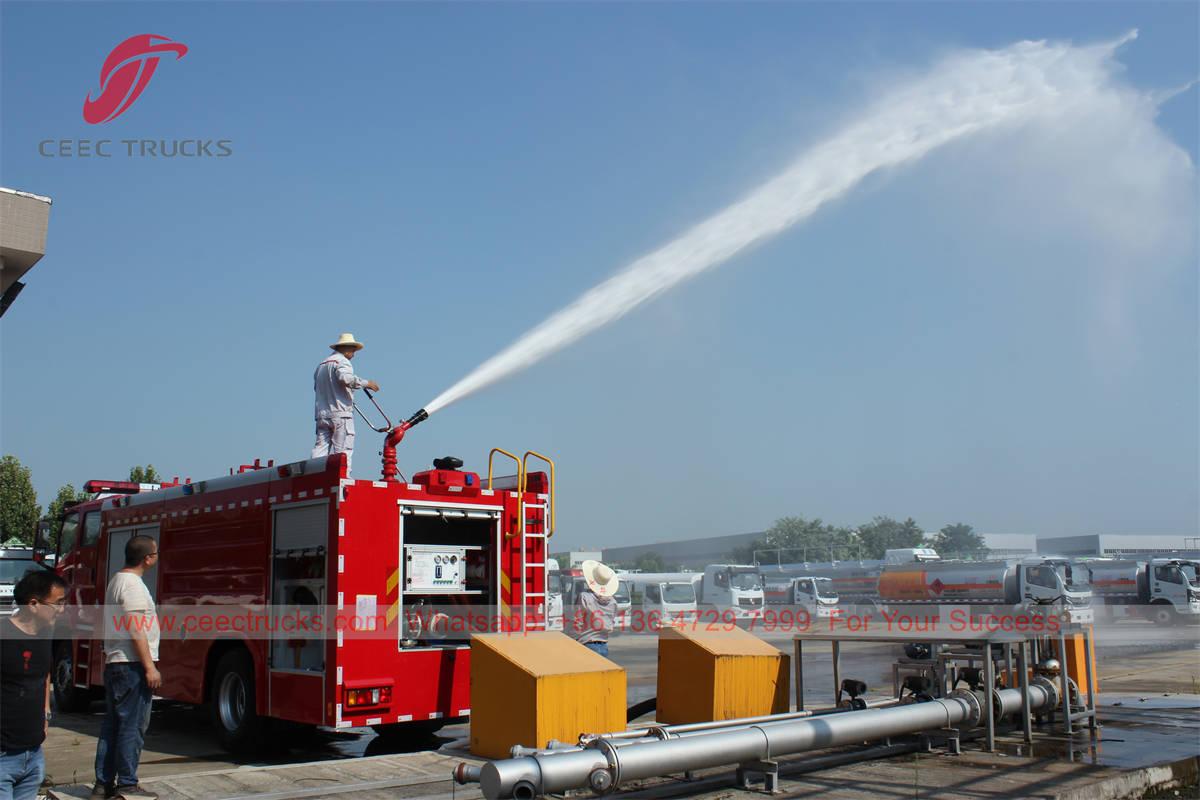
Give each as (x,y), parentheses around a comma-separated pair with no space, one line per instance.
(25,661)
(130,676)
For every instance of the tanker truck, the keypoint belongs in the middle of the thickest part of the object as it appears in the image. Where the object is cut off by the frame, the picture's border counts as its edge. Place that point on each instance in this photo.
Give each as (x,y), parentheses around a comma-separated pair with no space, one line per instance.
(1165,590)
(1035,584)
(851,583)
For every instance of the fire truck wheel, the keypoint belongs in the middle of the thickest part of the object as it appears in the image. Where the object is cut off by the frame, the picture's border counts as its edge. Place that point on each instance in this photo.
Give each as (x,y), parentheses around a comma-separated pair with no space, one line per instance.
(68,696)
(232,703)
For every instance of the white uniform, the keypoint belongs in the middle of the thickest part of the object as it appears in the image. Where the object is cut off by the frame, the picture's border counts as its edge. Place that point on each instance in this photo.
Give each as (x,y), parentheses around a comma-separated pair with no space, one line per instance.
(334,383)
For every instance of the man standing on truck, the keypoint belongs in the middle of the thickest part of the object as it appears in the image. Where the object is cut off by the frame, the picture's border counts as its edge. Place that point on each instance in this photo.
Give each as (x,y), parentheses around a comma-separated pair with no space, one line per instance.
(130,676)
(25,661)
(596,608)
(334,383)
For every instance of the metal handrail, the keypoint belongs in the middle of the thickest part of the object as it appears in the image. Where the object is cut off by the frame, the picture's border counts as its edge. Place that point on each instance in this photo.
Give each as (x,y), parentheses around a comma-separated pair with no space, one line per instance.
(520,486)
(553,505)
(371,425)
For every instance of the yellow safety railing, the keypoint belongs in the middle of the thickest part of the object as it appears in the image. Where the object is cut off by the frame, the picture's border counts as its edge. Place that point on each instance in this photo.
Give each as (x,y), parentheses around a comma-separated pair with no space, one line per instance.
(553,506)
(520,486)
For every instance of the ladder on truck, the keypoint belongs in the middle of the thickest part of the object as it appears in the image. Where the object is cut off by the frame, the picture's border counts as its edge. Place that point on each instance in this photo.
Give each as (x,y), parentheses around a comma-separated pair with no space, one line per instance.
(547,525)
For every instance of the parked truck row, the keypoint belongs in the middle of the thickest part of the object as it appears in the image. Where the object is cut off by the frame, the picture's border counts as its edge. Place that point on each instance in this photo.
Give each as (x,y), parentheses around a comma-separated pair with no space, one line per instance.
(1165,590)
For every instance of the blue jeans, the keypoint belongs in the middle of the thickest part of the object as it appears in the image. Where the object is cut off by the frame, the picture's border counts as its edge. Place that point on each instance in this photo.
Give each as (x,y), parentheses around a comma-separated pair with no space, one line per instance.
(597,647)
(21,773)
(127,699)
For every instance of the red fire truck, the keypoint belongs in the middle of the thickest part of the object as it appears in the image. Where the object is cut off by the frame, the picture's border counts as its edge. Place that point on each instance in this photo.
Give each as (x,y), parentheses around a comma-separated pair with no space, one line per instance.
(253,544)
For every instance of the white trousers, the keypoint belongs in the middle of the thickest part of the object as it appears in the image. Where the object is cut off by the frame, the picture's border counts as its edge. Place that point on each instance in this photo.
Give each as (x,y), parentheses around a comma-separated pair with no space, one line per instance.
(335,435)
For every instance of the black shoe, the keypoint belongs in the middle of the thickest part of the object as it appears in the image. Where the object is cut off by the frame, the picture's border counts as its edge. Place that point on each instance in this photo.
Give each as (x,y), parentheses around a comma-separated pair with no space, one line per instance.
(102,791)
(135,792)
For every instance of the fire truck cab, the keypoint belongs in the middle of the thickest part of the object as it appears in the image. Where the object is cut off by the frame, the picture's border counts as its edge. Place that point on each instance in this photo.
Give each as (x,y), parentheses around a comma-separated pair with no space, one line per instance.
(293,593)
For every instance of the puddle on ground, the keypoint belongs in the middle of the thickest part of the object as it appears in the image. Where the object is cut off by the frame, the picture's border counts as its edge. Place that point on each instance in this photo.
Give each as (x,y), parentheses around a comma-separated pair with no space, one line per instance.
(1136,731)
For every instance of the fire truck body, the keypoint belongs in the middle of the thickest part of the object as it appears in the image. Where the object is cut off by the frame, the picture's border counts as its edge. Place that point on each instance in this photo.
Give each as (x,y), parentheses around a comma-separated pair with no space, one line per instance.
(247,559)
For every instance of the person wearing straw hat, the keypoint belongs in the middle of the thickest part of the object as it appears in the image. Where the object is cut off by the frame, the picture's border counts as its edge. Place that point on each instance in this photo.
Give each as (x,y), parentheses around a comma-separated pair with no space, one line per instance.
(334,383)
(596,609)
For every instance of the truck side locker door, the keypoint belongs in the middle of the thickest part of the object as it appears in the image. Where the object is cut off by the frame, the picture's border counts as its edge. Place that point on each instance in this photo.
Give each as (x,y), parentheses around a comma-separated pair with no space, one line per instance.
(85,582)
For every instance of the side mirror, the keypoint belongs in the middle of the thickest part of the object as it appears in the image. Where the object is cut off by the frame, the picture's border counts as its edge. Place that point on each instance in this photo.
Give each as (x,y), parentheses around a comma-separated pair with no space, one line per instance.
(42,545)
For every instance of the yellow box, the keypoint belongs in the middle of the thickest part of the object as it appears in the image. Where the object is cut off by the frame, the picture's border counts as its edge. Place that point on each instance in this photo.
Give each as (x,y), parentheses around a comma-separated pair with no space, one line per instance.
(530,688)
(713,675)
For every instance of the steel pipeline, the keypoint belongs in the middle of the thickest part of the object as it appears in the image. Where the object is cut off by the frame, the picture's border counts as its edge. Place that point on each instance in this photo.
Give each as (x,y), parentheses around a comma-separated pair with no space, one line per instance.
(603,766)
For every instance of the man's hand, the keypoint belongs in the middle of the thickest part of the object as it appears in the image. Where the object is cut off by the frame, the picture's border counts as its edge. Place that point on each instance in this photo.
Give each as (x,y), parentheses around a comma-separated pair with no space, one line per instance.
(153,677)
(372,385)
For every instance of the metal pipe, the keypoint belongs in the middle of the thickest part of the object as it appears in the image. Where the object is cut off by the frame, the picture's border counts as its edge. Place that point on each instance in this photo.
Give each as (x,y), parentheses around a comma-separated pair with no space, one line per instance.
(603,765)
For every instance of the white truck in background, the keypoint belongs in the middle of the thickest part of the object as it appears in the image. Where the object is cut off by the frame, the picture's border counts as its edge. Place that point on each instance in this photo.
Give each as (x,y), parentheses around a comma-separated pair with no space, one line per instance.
(1165,590)
(731,590)
(664,598)
(815,595)
(554,596)
(723,591)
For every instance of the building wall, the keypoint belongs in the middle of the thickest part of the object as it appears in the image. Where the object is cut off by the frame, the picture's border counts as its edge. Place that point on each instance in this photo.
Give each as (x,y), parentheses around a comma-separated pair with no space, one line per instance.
(1101,544)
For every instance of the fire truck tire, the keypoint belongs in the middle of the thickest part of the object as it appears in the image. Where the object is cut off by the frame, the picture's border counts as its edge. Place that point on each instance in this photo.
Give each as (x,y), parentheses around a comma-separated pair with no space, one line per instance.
(232,703)
(67,696)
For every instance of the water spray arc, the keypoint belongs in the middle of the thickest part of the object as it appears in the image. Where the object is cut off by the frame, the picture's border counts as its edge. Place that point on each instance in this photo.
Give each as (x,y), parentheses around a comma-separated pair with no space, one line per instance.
(966,94)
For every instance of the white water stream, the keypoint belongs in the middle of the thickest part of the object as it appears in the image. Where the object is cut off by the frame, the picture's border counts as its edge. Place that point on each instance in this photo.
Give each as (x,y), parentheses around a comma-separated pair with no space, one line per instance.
(964,94)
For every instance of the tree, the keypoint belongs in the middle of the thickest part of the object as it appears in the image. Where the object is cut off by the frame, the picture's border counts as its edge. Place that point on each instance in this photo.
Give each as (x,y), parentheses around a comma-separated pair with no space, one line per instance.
(650,562)
(19,509)
(800,539)
(65,497)
(958,539)
(146,474)
(885,533)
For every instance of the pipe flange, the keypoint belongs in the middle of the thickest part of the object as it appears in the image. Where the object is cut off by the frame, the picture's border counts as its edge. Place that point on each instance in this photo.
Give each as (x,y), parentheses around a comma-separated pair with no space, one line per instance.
(997,706)
(614,764)
(659,732)
(974,707)
(1051,689)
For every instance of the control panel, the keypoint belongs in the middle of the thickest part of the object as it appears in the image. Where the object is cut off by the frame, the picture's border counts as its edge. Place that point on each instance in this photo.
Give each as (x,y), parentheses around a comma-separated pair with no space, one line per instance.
(436,569)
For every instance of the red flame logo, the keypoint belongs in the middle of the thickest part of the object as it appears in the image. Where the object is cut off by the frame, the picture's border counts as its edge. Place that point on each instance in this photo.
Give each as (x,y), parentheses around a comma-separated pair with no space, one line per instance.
(126,73)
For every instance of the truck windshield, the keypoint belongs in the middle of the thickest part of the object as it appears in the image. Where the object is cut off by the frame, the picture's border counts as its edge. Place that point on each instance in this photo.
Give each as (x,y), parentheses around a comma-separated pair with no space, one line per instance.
(554,583)
(679,593)
(1190,572)
(745,581)
(824,588)
(13,569)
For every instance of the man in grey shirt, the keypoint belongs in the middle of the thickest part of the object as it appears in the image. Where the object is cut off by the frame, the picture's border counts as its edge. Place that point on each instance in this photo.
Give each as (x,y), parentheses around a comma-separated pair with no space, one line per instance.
(595,609)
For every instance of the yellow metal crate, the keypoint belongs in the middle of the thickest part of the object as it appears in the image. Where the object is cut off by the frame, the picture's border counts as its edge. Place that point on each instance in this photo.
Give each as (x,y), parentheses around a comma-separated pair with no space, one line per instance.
(714,675)
(530,688)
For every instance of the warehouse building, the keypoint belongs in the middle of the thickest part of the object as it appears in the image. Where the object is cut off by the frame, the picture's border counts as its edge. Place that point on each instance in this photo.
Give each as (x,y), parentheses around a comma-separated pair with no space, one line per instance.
(1118,544)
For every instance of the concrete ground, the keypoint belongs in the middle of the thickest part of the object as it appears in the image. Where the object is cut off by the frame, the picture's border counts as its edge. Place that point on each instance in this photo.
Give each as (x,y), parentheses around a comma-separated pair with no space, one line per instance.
(1137,663)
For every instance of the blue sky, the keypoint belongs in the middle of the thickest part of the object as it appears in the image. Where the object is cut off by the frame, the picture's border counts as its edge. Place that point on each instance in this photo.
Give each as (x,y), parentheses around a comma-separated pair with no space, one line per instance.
(989,335)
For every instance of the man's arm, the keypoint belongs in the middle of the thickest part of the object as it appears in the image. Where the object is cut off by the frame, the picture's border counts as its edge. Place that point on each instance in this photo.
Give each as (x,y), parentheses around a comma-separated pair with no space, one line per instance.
(345,374)
(142,648)
(46,727)
(134,619)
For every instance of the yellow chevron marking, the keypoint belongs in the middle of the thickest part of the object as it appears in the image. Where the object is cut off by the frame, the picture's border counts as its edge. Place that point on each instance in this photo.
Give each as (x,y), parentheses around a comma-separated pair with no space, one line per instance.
(393,581)
(392,611)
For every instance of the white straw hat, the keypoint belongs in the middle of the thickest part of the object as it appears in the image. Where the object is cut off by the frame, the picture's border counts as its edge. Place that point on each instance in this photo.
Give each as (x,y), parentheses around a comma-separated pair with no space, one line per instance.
(600,578)
(347,340)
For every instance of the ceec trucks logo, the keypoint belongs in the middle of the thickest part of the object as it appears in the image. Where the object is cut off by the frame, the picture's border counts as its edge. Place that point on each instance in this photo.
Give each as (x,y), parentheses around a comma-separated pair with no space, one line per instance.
(126,74)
